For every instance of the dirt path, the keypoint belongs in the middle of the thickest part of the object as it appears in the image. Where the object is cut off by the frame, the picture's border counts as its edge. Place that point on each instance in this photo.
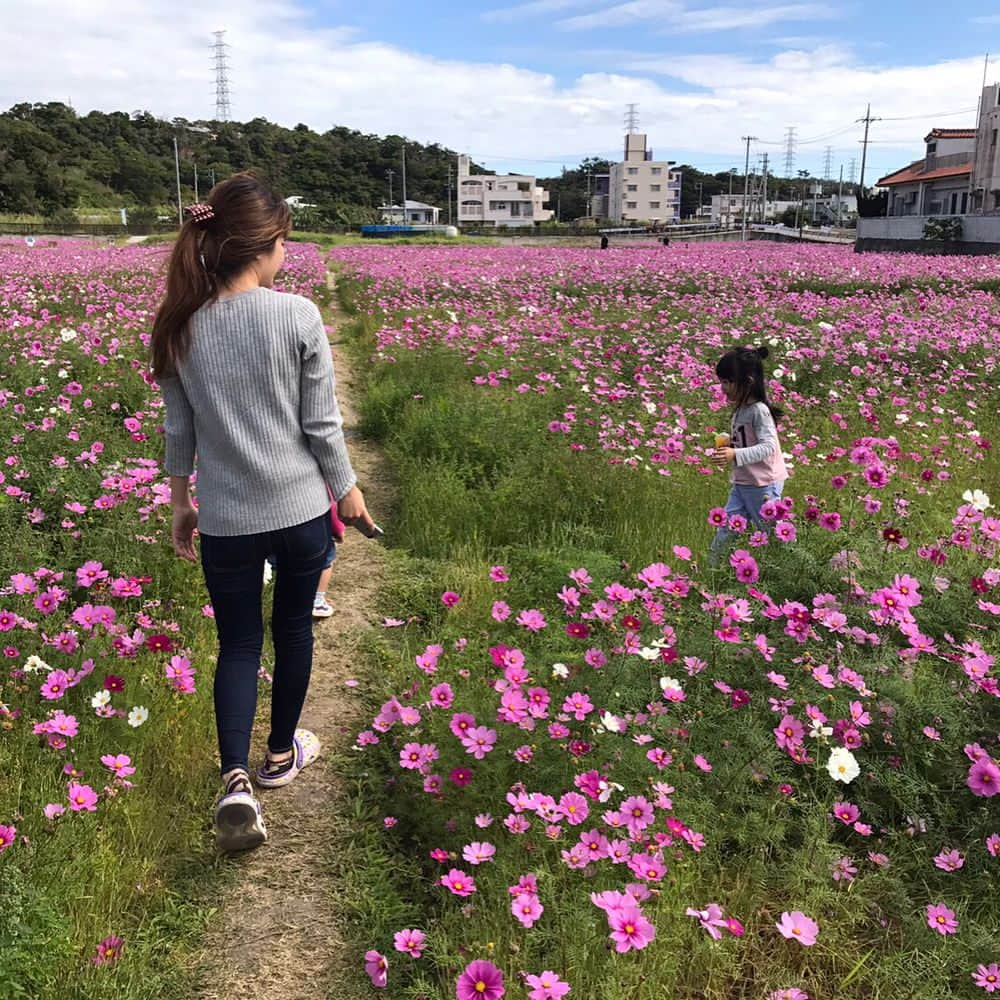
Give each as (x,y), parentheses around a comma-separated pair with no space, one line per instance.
(276,935)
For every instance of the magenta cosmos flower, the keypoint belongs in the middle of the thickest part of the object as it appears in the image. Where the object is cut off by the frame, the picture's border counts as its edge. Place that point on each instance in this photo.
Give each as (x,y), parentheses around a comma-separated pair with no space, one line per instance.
(411,941)
(109,950)
(796,926)
(377,967)
(941,919)
(7,835)
(480,980)
(459,883)
(449,598)
(984,778)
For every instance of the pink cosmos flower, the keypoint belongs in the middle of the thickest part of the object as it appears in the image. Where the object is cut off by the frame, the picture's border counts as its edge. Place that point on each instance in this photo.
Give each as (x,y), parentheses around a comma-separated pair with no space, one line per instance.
(53,809)
(498,574)
(411,942)
(987,977)
(377,967)
(479,741)
(109,950)
(449,598)
(993,844)
(949,861)
(478,852)
(710,919)
(984,778)
(788,993)
(500,611)
(480,980)
(532,619)
(846,812)
(119,763)
(458,883)
(796,926)
(7,836)
(527,909)
(941,919)
(546,986)
(630,929)
(81,797)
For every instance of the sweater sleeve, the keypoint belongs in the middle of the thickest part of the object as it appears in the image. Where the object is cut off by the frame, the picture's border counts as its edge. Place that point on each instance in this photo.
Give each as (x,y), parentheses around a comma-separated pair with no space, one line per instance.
(766,434)
(319,413)
(178,428)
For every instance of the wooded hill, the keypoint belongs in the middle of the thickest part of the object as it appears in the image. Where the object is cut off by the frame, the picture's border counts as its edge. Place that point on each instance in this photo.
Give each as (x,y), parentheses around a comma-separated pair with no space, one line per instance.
(54,163)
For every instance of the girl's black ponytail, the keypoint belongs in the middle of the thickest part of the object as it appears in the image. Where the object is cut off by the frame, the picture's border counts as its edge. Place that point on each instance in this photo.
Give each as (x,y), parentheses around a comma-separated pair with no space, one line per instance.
(743,366)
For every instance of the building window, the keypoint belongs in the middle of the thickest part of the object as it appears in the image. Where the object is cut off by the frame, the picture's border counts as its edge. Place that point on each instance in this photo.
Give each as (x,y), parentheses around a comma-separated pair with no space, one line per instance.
(631,204)
(656,171)
(932,147)
(632,187)
(632,171)
(654,187)
(993,140)
(654,204)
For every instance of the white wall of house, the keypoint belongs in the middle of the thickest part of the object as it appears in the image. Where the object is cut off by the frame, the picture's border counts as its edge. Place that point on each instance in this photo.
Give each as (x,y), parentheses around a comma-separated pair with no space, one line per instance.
(501,199)
(975,228)
(945,196)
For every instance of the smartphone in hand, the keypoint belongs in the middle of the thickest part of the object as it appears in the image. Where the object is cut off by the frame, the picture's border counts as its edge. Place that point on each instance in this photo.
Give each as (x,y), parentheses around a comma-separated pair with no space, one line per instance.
(374,532)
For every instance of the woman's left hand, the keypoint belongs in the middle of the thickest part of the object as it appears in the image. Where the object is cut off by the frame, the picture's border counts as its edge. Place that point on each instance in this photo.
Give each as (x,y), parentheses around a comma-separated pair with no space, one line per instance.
(723,456)
(185,520)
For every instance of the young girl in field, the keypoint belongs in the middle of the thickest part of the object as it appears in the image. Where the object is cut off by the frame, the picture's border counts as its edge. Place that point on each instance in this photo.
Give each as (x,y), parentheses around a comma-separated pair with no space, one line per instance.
(753,452)
(248,384)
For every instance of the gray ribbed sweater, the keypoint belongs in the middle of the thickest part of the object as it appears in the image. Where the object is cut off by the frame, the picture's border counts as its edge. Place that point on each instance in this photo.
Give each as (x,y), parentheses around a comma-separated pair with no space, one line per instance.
(255,401)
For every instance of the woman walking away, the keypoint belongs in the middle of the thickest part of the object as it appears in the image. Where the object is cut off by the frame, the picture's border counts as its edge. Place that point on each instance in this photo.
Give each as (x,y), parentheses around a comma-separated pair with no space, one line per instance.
(753,452)
(248,382)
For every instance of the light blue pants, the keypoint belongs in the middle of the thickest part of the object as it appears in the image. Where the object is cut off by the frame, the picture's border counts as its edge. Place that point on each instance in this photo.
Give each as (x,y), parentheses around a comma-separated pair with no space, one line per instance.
(745,500)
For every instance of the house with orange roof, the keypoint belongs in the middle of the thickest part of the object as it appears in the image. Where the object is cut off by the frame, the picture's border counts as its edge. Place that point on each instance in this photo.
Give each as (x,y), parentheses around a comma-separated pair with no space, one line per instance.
(939,183)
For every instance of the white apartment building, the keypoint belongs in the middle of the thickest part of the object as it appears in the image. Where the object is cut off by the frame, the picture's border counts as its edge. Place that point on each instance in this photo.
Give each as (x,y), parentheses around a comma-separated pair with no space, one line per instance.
(642,189)
(499,199)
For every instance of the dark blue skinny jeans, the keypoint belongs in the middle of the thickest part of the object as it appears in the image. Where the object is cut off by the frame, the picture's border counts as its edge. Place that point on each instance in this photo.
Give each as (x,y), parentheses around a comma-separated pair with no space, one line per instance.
(234,573)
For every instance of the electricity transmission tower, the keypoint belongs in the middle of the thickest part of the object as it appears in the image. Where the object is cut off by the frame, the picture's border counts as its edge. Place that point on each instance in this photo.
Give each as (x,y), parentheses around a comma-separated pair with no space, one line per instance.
(828,164)
(852,170)
(790,150)
(631,118)
(221,62)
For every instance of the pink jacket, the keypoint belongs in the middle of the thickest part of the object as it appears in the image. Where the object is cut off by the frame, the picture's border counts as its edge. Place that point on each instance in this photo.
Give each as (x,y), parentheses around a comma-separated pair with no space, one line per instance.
(758,451)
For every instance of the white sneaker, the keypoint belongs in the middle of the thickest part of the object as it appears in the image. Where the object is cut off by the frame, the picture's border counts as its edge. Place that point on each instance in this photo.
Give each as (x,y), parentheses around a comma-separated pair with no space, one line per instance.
(321,609)
(239,823)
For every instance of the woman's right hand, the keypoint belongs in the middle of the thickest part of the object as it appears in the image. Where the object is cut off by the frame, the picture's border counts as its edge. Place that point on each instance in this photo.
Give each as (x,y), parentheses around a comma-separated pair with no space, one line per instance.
(351,510)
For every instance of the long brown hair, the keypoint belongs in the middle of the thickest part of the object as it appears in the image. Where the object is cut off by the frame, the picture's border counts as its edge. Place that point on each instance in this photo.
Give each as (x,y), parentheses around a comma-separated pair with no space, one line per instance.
(212,248)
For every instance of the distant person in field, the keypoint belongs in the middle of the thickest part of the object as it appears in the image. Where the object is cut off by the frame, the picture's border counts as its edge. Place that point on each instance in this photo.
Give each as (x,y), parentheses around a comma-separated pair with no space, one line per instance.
(248,382)
(752,451)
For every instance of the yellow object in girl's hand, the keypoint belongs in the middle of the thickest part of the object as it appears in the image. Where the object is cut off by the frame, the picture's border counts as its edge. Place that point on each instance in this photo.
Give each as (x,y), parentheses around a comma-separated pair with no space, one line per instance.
(721,440)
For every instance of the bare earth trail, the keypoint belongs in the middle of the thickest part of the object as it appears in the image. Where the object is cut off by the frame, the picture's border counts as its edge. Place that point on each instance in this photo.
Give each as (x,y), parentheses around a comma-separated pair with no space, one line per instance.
(277,934)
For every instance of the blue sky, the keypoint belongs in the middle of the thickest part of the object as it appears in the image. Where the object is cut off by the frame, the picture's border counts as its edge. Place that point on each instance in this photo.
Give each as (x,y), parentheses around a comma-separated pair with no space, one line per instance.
(531,85)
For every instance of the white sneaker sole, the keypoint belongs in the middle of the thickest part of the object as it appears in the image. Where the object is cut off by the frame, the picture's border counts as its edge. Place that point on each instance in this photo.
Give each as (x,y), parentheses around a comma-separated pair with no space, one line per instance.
(239,825)
(322,612)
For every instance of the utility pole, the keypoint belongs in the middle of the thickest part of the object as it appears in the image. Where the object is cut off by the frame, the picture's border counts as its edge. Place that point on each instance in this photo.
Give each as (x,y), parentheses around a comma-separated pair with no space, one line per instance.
(729,204)
(449,192)
(864,146)
(389,174)
(177,171)
(763,211)
(840,196)
(746,183)
(589,173)
(404,182)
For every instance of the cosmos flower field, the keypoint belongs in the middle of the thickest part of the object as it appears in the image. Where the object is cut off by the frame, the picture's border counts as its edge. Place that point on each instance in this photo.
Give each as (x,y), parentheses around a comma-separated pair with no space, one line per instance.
(592,765)
(615,771)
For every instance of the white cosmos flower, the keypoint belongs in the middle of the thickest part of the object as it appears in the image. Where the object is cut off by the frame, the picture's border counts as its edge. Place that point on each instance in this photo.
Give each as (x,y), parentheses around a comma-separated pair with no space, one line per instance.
(138,716)
(607,789)
(35,664)
(100,699)
(649,653)
(670,684)
(842,765)
(820,730)
(67,334)
(978,499)
(611,723)
(560,670)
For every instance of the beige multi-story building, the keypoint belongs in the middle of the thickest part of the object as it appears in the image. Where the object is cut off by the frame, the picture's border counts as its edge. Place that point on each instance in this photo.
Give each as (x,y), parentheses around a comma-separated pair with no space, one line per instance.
(641,189)
(499,199)
(986,165)
(937,184)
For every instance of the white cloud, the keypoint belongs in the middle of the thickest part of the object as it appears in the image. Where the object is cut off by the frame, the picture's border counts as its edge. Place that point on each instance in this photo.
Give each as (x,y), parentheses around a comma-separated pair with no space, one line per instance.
(288,69)
(673,16)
